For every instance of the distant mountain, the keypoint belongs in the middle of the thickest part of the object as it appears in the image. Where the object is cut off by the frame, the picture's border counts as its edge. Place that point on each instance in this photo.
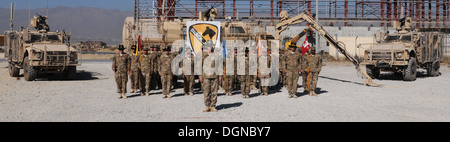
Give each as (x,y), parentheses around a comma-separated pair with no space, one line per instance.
(85,23)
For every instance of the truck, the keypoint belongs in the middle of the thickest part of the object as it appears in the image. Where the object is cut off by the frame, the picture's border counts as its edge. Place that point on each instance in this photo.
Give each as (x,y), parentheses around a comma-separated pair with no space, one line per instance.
(36,50)
(404,52)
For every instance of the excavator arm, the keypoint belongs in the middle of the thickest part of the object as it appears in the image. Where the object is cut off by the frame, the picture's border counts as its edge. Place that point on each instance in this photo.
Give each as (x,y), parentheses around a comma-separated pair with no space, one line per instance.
(293,41)
(286,21)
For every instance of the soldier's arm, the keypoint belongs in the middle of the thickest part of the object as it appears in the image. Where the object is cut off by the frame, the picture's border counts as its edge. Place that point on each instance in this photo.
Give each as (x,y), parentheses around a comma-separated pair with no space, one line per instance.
(114,64)
(320,64)
(128,64)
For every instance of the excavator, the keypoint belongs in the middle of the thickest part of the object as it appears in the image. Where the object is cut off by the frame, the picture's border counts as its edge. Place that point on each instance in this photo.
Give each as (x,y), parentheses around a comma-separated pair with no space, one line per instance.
(287,21)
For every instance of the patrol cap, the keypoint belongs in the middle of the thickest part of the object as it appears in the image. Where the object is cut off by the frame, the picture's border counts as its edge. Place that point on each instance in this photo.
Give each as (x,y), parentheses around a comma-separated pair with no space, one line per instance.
(313,48)
(146,49)
(168,48)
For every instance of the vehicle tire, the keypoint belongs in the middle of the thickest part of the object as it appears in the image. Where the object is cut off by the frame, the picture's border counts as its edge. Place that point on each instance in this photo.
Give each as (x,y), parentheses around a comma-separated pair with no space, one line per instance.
(13,71)
(435,68)
(373,72)
(70,73)
(410,72)
(29,72)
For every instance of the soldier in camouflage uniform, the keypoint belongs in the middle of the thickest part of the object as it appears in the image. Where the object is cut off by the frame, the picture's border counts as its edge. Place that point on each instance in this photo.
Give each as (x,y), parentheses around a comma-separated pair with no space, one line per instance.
(147,70)
(229,79)
(304,70)
(121,68)
(135,71)
(188,75)
(165,71)
(245,78)
(264,88)
(210,83)
(315,66)
(253,78)
(292,69)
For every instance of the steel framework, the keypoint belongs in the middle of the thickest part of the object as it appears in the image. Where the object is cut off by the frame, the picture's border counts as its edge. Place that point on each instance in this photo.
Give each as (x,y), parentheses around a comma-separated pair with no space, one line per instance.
(426,13)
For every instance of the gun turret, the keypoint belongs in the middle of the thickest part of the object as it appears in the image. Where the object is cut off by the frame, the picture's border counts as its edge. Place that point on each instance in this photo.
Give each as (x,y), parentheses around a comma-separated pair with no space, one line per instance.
(39,23)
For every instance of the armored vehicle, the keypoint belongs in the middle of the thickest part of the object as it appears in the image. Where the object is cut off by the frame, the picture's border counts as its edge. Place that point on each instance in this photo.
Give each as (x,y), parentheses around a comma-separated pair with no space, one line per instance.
(37,50)
(403,53)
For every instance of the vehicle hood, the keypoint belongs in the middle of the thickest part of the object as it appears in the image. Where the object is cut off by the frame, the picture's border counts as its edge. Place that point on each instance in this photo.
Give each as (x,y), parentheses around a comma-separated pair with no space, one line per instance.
(384,47)
(53,47)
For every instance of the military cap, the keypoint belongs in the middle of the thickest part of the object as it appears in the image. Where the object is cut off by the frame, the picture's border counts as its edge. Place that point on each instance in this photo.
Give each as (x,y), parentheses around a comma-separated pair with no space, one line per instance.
(313,48)
(146,49)
(133,46)
(121,47)
(168,48)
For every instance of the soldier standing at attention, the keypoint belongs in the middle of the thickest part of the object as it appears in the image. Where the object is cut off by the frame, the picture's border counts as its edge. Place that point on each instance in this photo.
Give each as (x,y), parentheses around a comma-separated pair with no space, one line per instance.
(304,70)
(229,79)
(315,66)
(146,69)
(165,72)
(210,83)
(282,62)
(264,87)
(121,68)
(188,74)
(292,65)
(135,71)
(245,78)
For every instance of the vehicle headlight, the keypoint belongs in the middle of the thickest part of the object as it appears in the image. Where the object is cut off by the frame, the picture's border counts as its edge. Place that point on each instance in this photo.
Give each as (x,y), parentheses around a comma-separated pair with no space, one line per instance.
(399,55)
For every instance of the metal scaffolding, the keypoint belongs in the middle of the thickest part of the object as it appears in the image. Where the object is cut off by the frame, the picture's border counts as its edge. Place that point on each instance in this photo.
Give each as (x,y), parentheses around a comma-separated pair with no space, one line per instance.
(426,13)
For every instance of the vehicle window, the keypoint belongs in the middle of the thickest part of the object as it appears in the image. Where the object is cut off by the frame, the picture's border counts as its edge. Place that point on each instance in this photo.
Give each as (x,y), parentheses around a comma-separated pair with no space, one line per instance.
(237,30)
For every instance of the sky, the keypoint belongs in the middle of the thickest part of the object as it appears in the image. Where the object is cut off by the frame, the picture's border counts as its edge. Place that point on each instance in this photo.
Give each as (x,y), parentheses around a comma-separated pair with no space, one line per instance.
(123,5)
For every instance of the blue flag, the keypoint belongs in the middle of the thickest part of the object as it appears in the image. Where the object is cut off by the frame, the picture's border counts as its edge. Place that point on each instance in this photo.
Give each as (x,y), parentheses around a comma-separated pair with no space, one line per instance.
(224,48)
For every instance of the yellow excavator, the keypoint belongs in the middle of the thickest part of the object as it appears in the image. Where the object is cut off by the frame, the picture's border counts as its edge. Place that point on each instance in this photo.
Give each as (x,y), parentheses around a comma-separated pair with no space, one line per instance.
(287,21)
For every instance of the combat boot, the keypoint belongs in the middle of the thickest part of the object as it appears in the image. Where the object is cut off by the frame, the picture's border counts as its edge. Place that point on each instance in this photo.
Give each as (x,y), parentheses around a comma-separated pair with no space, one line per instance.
(169,96)
(294,96)
(133,91)
(213,109)
(207,109)
(146,93)
(314,93)
(120,96)
(191,94)
(124,96)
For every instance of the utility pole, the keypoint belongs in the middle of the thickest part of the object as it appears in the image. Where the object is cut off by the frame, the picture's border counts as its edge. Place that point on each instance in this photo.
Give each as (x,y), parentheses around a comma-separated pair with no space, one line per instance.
(317,19)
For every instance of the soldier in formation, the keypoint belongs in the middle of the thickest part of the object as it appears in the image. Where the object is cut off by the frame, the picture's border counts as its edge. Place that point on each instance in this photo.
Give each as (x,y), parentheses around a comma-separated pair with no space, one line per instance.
(164,70)
(265,74)
(245,78)
(210,81)
(146,66)
(188,73)
(121,68)
(134,71)
(315,66)
(293,63)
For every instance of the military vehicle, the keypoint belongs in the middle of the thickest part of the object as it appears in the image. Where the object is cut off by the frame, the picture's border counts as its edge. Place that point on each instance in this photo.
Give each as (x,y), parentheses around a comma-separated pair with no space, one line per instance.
(39,51)
(404,51)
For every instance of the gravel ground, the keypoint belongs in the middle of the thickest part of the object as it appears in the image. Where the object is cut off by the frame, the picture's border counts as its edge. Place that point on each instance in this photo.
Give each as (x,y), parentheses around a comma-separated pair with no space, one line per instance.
(341,98)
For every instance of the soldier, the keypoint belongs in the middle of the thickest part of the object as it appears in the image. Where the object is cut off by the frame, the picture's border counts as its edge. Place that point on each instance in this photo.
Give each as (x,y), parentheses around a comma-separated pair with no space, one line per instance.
(292,65)
(165,71)
(304,71)
(210,83)
(121,68)
(146,69)
(135,71)
(229,79)
(315,66)
(253,78)
(188,75)
(264,87)
(154,69)
(245,78)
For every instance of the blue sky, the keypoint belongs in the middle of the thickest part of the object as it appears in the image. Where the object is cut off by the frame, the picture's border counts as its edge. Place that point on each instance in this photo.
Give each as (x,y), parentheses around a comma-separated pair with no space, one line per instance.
(107,4)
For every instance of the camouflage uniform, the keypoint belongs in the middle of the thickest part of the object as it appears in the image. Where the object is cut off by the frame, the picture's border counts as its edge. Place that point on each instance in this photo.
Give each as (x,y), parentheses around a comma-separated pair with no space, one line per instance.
(304,69)
(166,74)
(210,86)
(188,78)
(265,88)
(292,65)
(315,66)
(147,71)
(134,73)
(121,67)
(245,80)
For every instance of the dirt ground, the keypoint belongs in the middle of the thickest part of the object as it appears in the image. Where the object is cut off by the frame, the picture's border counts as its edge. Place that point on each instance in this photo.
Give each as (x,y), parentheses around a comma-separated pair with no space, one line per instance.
(341,97)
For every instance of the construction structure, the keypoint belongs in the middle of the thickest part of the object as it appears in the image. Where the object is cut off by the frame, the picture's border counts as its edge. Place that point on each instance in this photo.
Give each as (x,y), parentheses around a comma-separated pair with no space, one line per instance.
(378,13)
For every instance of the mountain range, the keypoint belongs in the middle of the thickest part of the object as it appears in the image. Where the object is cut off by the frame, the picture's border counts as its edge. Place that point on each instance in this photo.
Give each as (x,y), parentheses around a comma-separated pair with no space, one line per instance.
(85,23)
